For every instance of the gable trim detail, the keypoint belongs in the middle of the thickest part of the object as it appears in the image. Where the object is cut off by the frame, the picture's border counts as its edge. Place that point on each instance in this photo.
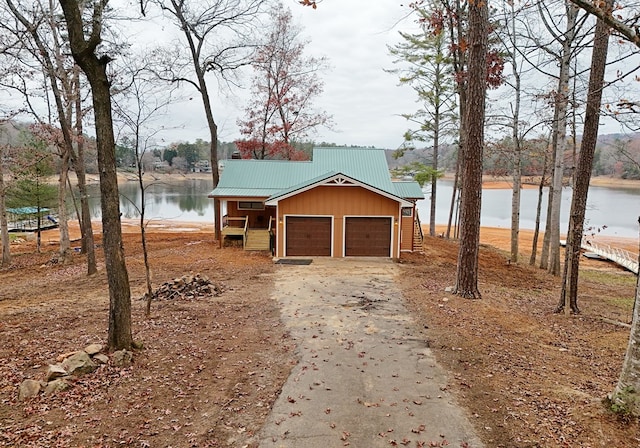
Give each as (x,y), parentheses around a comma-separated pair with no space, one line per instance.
(333,179)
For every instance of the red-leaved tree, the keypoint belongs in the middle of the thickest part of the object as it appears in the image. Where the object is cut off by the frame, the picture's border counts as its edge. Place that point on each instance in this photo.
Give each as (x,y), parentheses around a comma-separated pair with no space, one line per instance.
(286,82)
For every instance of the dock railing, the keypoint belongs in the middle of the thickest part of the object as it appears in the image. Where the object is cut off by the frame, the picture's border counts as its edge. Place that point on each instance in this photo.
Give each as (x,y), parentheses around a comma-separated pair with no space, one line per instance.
(622,257)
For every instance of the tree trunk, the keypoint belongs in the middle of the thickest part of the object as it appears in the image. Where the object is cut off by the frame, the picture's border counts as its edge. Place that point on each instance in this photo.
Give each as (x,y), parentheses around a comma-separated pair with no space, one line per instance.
(434,179)
(569,294)
(515,204)
(467,270)
(452,205)
(119,336)
(86,229)
(143,235)
(457,33)
(536,230)
(517,161)
(562,102)
(625,398)
(4,227)
(63,219)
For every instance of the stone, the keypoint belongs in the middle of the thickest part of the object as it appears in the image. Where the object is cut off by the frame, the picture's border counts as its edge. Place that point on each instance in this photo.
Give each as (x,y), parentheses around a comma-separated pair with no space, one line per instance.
(55,386)
(55,371)
(93,349)
(79,364)
(449,289)
(64,356)
(137,345)
(122,358)
(101,358)
(28,389)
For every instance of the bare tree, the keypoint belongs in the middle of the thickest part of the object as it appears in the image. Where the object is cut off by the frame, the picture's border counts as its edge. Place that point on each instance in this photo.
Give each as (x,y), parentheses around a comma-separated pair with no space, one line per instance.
(46,47)
(569,294)
(627,28)
(217,35)
(4,230)
(509,34)
(86,229)
(141,103)
(560,141)
(84,39)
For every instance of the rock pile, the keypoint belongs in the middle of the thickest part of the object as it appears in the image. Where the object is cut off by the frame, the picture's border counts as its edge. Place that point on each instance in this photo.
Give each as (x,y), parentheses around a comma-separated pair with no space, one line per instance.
(71,365)
(185,287)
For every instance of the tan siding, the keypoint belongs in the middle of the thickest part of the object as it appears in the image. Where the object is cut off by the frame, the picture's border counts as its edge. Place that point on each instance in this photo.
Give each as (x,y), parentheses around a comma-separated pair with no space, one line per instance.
(338,201)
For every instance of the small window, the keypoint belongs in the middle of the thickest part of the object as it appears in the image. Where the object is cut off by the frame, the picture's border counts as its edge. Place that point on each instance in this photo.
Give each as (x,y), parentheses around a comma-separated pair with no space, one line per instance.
(250,205)
(407,211)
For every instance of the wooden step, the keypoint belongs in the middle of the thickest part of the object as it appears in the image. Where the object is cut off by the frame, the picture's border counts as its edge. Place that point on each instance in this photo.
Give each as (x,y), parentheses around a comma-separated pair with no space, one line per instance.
(258,240)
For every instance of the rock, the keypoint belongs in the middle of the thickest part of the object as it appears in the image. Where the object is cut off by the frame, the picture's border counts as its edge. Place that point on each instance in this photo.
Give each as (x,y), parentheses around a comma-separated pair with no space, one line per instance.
(122,358)
(188,287)
(449,289)
(55,386)
(29,389)
(64,356)
(93,349)
(55,371)
(137,345)
(79,364)
(101,358)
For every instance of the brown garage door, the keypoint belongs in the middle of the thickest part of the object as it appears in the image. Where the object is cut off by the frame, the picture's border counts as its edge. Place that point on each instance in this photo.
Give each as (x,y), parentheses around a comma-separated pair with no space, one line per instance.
(308,236)
(368,237)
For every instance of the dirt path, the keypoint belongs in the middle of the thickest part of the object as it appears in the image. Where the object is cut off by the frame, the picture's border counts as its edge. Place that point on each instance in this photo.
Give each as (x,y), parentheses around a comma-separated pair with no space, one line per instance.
(366,376)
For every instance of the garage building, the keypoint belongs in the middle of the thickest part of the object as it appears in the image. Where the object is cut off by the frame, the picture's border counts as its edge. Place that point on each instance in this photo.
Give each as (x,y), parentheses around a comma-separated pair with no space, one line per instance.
(342,203)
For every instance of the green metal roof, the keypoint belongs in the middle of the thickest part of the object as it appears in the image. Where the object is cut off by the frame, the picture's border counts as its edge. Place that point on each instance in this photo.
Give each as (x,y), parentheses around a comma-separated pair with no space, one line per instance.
(408,189)
(27,210)
(302,185)
(271,178)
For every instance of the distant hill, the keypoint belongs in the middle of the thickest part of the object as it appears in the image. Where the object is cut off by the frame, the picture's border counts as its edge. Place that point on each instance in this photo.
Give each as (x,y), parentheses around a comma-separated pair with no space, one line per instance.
(617,155)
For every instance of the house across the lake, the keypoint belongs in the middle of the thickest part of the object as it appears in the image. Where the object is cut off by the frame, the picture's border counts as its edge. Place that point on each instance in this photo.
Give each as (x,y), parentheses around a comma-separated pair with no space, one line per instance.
(342,203)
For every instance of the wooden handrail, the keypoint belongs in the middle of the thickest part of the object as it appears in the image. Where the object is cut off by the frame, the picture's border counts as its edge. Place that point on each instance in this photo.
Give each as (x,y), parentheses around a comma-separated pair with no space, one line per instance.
(246,227)
(419,224)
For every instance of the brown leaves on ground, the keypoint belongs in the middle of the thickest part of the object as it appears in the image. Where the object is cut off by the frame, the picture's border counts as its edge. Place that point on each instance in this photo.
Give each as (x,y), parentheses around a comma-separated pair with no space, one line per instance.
(207,376)
(212,367)
(529,377)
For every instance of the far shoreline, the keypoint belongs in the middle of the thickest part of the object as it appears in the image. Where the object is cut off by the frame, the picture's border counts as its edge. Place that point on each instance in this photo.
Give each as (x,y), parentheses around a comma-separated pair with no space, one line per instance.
(488,181)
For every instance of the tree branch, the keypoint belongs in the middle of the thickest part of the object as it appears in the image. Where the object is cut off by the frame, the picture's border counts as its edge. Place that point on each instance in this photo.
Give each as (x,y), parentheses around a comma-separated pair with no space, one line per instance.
(631,34)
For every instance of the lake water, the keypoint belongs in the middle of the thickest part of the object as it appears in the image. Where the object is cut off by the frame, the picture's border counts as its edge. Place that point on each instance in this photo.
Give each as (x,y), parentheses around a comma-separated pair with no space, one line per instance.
(616,208)
(179,201)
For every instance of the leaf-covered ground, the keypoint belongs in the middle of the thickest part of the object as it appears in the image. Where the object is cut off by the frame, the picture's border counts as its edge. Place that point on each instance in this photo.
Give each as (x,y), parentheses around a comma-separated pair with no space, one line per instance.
(529,377)
(211,367)
(209,371)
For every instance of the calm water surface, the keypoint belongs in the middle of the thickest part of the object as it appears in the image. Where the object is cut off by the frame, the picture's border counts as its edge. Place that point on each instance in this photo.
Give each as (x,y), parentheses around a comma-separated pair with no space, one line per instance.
(616,208)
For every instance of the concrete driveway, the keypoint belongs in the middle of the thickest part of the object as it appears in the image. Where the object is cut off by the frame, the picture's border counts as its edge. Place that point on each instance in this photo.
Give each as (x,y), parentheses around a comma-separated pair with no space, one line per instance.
(366,377)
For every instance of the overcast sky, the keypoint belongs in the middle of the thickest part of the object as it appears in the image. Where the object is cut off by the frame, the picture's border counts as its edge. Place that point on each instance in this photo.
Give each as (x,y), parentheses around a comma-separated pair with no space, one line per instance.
(365,101)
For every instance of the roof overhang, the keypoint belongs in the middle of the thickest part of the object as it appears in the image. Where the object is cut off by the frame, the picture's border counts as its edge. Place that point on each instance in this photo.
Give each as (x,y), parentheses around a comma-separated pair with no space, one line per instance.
(333,179)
